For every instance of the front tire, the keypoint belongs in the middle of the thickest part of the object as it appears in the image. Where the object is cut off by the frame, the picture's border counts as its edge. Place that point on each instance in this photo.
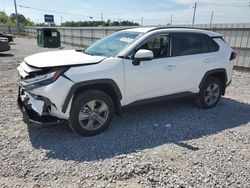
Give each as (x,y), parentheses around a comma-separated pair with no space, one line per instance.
(91,112)
(210,93)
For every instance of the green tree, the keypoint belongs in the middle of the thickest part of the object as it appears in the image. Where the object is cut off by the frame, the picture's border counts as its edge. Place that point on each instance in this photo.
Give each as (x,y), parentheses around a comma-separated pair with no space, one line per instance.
(11,20)
(115,23)
(21,19)
(4,18)
(97,23)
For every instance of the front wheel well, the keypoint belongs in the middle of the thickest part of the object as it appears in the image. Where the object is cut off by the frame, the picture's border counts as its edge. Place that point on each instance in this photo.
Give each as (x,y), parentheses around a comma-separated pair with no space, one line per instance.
(106,88)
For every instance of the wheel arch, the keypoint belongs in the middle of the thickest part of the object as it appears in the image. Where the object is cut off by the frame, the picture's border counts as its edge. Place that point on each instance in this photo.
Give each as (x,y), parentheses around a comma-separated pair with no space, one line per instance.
(107,86)
(220,74)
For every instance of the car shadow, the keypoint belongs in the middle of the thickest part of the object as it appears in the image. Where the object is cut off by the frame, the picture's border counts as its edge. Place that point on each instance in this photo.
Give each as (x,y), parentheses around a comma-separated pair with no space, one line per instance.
(140,128)
(6,55)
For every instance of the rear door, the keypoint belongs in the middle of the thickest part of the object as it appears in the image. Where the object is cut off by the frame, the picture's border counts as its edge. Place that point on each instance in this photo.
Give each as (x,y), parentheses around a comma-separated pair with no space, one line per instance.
(191,56)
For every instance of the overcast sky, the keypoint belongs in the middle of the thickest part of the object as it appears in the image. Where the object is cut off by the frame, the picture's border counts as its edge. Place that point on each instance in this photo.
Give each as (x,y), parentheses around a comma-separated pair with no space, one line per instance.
(154,12)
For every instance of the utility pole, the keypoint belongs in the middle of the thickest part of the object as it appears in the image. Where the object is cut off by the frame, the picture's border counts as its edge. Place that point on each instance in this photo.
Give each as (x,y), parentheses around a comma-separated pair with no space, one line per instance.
(171,19)
(17,23)
(195,6)
(102,17)
(211,19)
(61,20)
(141,21)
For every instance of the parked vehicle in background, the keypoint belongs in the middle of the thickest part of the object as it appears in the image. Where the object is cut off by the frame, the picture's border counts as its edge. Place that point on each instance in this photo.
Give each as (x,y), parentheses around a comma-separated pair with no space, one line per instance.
(131,66)
(4,44)
(8,36)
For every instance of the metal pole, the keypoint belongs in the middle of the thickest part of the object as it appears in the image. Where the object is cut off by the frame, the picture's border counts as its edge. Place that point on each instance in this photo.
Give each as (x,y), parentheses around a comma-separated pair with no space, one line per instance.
(102,17)
(211,19)
(195,5)
(17,23)
(171,20)
(141,21)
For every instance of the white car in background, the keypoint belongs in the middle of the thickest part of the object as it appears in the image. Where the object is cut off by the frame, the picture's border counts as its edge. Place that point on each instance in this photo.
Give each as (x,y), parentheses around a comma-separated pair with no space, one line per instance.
(128,67)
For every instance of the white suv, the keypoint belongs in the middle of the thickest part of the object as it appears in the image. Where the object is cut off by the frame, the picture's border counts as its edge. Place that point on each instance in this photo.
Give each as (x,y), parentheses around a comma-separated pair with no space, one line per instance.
(86,88)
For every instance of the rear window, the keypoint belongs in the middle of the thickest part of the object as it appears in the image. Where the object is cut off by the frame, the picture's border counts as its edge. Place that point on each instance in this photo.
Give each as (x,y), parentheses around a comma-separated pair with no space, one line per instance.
(192,43)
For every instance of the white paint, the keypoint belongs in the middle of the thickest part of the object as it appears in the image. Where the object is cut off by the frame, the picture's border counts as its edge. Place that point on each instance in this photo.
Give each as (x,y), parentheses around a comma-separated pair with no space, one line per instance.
(37,105)
(61,58)
(144,54)
(27,68)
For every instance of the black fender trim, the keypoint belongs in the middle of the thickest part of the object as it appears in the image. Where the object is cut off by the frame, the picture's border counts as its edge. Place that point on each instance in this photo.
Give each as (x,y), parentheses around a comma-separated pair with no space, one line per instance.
(161,98)
(88,83)
(208,73)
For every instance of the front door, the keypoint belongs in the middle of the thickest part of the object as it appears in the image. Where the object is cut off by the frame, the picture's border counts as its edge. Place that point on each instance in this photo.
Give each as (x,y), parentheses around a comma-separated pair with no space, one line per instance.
(151,78)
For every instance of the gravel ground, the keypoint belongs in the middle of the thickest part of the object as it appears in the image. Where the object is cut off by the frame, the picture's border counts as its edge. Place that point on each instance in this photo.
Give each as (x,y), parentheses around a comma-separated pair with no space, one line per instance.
(170,144)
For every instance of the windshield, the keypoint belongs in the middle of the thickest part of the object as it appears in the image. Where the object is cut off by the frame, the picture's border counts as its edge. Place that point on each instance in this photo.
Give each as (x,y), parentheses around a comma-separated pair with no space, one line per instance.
(113,44)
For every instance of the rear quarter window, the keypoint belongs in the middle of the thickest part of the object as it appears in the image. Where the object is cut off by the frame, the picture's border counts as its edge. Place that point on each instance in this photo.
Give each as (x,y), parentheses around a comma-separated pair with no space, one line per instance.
(212,45)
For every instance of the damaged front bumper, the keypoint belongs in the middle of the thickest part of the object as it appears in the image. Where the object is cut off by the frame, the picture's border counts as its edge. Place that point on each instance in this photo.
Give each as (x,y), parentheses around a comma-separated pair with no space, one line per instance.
(36,109)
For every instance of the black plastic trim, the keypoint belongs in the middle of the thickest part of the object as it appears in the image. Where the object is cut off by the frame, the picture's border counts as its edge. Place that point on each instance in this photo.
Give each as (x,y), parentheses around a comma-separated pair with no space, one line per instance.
(208,73)
(161,98)
(66,77)
(159,28)
(228,83)
(179,27)
(217,37)
(88,83)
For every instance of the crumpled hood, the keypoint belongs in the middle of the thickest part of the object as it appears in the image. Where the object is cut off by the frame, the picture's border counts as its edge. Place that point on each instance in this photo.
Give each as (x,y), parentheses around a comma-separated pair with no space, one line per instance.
(61,58)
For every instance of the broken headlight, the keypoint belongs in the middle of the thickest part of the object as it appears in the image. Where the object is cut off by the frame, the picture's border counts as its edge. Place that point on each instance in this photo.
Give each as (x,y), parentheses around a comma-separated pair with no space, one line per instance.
(42,80)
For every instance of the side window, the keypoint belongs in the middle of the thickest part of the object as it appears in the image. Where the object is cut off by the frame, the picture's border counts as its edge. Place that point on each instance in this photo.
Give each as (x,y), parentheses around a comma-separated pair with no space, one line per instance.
(212,45)
(186,44)
(159,45)
(204,44)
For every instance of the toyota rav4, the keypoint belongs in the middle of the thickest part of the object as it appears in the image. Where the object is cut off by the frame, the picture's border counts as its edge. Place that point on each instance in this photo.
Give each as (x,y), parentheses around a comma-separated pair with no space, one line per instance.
(86,88)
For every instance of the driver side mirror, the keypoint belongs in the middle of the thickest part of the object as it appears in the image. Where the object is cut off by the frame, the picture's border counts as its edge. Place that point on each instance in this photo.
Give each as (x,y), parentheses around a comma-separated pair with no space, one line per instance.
(142,55)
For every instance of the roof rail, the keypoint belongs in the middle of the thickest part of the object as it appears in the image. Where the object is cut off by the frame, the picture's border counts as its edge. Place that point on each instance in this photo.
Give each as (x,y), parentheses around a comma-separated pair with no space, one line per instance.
(179,27)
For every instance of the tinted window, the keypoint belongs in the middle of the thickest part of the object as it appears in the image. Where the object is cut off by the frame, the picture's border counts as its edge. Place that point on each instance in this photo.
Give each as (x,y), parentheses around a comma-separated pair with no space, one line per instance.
(190,43)
(204,44)
(212,45)
(159,45)
(186,44)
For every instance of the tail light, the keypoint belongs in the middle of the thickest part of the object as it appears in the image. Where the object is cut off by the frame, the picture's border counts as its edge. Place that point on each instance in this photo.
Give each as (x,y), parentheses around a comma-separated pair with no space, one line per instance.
(3,42)
(233,55)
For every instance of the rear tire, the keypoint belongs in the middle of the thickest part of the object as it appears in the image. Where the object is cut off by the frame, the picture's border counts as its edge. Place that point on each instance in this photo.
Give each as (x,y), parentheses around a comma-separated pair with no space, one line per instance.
(91,112)
(210,93)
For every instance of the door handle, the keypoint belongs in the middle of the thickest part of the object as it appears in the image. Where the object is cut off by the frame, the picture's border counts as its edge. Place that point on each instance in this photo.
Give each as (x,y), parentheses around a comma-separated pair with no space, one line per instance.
(207,60)
(170,67)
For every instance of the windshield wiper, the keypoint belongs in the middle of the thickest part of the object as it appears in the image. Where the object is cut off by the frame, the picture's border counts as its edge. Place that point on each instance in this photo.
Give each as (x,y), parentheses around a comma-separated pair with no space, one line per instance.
(79,50)
(87,52)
